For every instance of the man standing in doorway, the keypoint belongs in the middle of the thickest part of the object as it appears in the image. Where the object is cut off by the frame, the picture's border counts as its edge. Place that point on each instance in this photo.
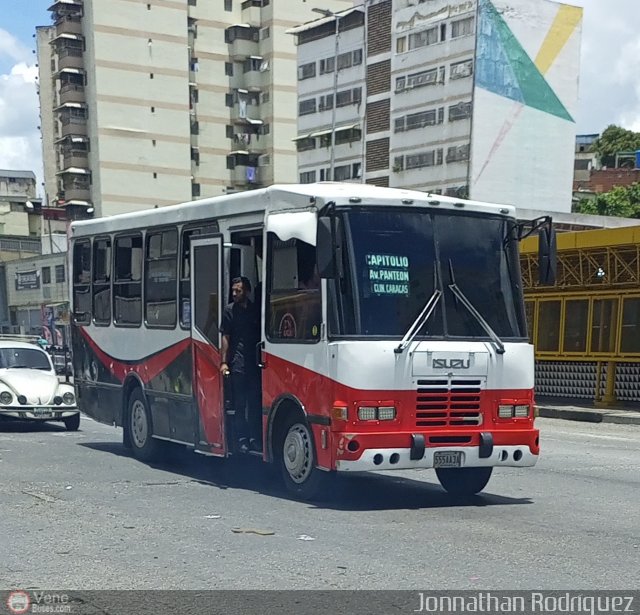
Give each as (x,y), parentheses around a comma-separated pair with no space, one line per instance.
(240,336)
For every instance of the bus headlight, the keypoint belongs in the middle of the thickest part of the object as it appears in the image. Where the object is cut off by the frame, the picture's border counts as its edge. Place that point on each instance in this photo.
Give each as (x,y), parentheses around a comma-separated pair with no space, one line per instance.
(521,411)
(505,411)
(376,413)
(367,413)
(6,398)
(68,398)
(386,413)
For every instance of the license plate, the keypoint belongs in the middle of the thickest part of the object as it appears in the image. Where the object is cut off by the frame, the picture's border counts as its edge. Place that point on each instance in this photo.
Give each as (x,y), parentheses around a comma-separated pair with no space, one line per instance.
(447,459)
(42,413)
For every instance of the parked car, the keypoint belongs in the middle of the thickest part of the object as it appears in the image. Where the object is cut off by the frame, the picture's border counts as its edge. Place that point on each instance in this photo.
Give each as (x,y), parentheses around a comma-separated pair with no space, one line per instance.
(30,388)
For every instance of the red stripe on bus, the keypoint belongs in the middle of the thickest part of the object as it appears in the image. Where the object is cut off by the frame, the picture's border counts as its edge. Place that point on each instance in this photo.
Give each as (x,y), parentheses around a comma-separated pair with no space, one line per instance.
(146,368)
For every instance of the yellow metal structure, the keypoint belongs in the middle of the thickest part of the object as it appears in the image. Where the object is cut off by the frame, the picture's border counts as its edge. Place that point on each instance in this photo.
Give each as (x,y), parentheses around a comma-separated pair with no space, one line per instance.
(592,314)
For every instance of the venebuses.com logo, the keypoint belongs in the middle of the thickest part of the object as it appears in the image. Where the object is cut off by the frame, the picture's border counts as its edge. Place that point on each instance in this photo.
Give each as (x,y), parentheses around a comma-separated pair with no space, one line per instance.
(18,602)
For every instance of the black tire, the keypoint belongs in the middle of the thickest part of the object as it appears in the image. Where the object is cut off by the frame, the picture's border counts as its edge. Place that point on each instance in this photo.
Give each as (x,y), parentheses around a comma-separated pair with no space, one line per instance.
(297,459)
(464,481)
(140,428)
(72,423)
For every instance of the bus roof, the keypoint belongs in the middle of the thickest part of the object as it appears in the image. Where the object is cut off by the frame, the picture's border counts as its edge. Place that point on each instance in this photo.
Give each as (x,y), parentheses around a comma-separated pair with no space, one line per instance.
(277,198)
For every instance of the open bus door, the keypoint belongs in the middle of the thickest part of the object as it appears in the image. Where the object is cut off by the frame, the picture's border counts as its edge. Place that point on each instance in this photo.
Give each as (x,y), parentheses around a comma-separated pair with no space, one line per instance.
(207,291)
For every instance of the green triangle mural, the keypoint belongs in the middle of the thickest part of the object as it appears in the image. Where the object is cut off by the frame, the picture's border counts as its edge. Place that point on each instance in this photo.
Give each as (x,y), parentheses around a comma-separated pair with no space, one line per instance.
(504,68)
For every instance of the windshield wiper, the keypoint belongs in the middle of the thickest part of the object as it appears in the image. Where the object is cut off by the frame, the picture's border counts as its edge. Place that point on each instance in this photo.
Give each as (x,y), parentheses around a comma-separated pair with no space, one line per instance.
(420,321)
(483,323)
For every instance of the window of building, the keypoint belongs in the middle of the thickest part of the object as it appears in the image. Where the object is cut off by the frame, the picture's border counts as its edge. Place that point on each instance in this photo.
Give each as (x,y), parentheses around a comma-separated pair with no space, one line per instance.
(401,44)
(630,338)
(423,159)
(46,275)
(228,5)
(102,280)
(60,274)
(264,97)
(604,325)
(348,136)
(458,153)
(195,190)
(461,111)
(127,284)
(327,65)
(265,33)
(306,71)
(349,97)
(305,107)
(460,70)
(462,27)
(306,144)
(228,69)
(343,172)
(549,326)
(423,38)
(82,281)
(325,102)
(161,263)
(294,305)
(576,314)
(307,177)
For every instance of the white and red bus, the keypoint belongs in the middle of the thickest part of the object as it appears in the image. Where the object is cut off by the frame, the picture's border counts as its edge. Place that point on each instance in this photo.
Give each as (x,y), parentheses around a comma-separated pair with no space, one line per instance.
(393,331)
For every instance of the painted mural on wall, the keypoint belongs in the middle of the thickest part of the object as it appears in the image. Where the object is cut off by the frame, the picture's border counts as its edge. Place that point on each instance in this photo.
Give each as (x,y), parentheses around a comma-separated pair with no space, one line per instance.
(526,91)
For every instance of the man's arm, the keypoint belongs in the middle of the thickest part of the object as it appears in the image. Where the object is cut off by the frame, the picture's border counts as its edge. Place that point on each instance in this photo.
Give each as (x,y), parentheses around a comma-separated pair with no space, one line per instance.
(224,351)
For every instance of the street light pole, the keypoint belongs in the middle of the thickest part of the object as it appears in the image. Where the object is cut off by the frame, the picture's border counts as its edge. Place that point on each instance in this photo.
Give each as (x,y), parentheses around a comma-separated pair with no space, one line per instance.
(328,13)
(335,99)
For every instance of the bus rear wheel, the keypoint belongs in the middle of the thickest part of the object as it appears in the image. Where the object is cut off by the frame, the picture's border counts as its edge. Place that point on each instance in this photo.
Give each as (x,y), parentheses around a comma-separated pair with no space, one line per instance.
(297,460)
(463,481)
(143,444)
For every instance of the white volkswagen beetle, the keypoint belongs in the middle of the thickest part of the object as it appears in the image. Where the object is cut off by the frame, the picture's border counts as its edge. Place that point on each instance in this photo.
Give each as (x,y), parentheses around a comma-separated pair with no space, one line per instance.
(30,389)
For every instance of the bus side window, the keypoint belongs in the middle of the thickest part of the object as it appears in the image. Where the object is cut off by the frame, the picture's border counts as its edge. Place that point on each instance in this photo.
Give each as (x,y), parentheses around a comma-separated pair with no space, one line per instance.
(82,282)
(184,297)
(160,278)
(294,304)
(127,285)
(102,280)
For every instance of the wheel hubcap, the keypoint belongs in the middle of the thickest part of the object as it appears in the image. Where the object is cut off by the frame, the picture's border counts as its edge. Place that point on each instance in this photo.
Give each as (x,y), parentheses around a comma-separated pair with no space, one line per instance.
(298,453)
(139,427)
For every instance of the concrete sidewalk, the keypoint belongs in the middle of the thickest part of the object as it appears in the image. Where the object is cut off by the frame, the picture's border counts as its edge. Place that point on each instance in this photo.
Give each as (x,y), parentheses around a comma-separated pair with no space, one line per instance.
(583,410)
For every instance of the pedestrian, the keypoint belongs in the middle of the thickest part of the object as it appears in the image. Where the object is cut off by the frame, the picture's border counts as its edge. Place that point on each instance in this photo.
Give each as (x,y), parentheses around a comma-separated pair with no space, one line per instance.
(240,335)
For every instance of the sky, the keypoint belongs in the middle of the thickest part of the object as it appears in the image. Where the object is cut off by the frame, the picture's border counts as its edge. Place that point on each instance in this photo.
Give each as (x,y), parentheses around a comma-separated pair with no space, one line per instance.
(609,75)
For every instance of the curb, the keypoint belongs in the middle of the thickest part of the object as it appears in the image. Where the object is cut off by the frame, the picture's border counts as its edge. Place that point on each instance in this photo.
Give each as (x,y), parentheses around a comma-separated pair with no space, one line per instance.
(590,416)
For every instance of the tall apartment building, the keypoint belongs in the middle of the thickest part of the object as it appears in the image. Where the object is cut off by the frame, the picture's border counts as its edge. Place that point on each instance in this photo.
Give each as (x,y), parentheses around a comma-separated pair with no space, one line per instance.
(160,101)
(464,97)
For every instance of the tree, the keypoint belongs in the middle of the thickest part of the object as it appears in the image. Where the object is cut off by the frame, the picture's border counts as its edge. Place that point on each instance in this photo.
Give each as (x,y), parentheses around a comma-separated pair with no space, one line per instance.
(622,201)
(613,140)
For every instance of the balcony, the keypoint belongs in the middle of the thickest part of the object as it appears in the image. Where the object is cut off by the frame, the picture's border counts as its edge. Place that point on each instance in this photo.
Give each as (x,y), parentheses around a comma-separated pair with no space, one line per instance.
(246,176)
(75,159)
(253,80)
(251,12)
(76,193)
(243,113)
(242,40)
(69,24)
(70,57)
(73,126)
(71,93)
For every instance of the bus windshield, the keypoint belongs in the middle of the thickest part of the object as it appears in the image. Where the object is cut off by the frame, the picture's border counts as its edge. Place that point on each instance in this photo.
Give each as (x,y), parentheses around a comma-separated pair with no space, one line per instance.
(396,258)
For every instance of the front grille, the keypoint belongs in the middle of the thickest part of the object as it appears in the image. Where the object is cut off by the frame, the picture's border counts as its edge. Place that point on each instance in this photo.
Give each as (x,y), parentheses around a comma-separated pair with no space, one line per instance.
(448,402)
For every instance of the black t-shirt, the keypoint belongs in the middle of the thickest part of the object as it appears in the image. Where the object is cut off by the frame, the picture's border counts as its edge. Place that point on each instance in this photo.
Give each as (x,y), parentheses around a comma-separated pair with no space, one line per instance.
(242,325)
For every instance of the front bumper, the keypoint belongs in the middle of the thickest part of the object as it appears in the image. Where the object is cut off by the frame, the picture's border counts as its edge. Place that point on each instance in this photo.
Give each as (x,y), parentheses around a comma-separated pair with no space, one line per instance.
(40,413)
(400,458)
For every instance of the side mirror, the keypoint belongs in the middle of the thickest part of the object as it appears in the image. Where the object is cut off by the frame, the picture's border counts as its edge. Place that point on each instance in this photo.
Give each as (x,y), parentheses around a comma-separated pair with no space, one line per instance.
(547,256)
(329,247)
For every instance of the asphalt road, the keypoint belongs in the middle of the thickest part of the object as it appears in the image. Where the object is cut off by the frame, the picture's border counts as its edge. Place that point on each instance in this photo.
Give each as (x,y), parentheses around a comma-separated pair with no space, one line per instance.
(77,512)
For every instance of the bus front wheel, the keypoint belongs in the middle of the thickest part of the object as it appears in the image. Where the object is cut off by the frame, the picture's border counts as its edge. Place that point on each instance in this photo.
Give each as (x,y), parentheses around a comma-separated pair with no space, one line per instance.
(297,460)
(463,481)
(144,446)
